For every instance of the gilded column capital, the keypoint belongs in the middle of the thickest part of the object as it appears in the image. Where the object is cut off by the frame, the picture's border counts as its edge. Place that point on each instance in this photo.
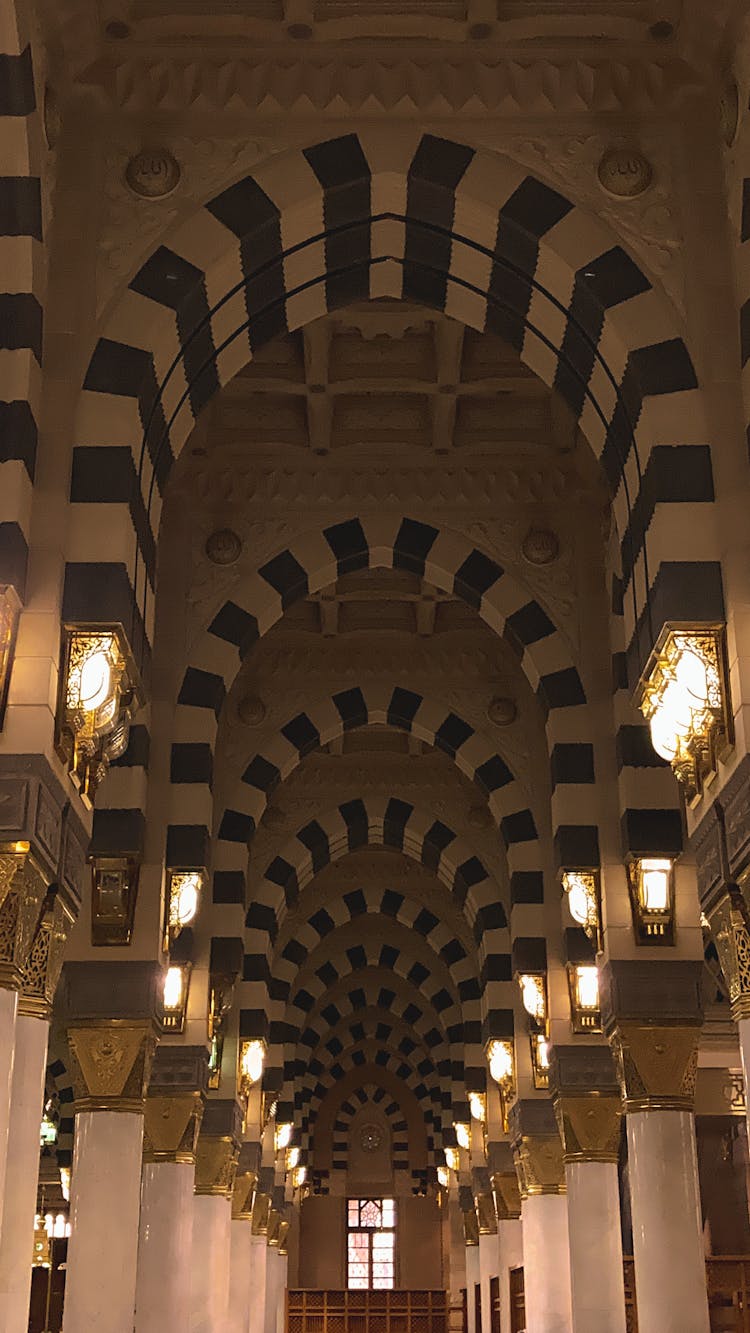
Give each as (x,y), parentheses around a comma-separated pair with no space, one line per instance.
(261,1214)
(283,1235)
(171,1126)
(110,1064)
(242,1196)
(43,966)
(273,1229)
(537,1148)
(218,1147)
(471,1226)
(486,1216)
(507,1195)
(23,890)
(728,922)
(587,1102)
(652,1015)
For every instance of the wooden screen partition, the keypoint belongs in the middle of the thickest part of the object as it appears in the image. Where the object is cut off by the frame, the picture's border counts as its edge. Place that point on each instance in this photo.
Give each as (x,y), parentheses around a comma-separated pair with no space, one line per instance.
(367,1312)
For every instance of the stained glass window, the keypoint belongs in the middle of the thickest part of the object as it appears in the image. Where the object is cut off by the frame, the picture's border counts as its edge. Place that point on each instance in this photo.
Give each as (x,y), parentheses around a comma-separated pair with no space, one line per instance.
(371,1244)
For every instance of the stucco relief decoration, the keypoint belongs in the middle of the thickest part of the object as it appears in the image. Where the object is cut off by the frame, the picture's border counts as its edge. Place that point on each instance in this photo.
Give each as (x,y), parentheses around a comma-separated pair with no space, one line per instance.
(625,172)
(370,1138)
(647,220)
(223,547)
(549,576)
(540,546)
(153,173)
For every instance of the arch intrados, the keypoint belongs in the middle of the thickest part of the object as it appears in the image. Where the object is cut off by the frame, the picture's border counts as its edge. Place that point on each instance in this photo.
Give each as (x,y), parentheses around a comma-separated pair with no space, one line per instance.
(346,1031)
(361,1076)
(370,980)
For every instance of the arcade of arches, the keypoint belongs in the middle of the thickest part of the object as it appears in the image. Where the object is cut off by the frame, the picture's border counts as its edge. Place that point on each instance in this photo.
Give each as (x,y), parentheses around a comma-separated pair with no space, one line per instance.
(374,666)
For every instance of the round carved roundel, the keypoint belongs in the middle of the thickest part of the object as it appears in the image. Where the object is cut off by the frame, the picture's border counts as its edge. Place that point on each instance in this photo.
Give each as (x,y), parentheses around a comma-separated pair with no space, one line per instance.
(370,1138)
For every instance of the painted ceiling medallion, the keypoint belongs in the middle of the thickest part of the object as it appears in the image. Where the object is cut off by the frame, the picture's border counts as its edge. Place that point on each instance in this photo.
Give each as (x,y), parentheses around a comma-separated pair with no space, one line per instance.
(251,710)
(153,173)
(625,172)
(223,547)
(370,1138)
(540,546)
(502,711)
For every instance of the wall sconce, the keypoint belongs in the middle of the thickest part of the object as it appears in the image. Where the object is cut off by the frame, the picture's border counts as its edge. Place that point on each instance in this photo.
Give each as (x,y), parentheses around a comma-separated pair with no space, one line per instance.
(99,695)
(685,699)
(478,1106)
(299,1177)
(183,898)
(292,1158)
(463,1134)
(10,609)
(225,965)
(501,1060)
(250,1066)
(443,1176)
(42,1251)
(540,1060)
(114,891)
(584,901)
(534,996)
(651,884)
(175,997)
(452,1160)
(583,984)
(282,1136)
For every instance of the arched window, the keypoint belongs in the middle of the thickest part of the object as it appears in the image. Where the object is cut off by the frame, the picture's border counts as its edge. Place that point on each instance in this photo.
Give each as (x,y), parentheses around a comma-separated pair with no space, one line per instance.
(371,1244)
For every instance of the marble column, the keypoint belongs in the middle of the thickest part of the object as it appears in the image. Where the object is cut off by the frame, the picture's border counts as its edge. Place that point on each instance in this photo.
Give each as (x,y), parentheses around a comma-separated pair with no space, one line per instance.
(509,1229)
(240,1272)
(652,1015)
(38,984)
(274,1290)
(586,1098)
(537,1151)
(471,1237)
(258,1262)
(215,1170)
(110,1063)
(173,1114)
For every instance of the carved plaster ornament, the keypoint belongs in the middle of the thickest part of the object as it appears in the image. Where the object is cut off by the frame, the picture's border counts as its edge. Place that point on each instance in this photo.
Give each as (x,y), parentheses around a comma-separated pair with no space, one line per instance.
(625,172)
(153,173)
(370,1138)
(540,546)
(502,711)
(223,547)
(251,710)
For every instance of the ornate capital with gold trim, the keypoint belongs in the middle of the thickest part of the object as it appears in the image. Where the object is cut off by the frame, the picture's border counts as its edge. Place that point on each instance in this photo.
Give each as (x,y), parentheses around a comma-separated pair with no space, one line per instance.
(43,966)
(22,892)
(283,1235)
(242,1196)
(273,1229)
(652,1016)
(261,1214)
(110,1064)
(471,1226)
(171,1127)
(218,1147)
(537,1148)
(507,1195)
(586,1098)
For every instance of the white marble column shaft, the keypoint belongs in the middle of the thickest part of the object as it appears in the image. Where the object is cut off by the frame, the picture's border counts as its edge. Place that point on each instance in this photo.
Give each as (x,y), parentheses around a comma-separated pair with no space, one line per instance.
(670,1269)
(165,1247)
(488,1268)
(274,1290)
(596,1272)
(240,1277)
(546,1264)
(472,1277)
(104,1211)
(257,1308)
(209,1285)
(8,1015)
(22,1171)
(510,1251)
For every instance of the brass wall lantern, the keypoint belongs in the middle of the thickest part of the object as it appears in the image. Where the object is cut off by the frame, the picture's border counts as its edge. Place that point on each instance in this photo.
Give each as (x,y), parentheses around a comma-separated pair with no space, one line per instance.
(652,903)
(584,901)
(99,694)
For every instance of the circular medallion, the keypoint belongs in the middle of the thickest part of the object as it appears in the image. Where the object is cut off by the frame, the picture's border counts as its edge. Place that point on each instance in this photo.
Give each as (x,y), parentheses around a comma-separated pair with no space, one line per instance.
(223,547)
(625,172)
(502,711)
(540,546)
(370,1138)
(153,173)
(251,710)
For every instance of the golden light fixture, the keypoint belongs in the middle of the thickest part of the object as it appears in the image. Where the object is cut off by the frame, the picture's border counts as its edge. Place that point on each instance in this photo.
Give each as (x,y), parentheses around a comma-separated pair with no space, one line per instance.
(463,1133)
(99,695)
(651,884)
(452,1160)
(540,1060)
(299,1177)
(443,1177)
(282,1136)
(10,609)
(534,996)
(583,985)
(65,1182)
(114,892)
(582,888)
(502,1063)
(685,700)
(183,898)
(42,1248)
(252,1054)
(478,1106)
(292,1158)
(175,997)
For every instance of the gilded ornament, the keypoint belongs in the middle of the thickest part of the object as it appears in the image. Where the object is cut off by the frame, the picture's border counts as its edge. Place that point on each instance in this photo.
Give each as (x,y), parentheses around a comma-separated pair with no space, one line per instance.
(370,1138)
(171,1126)
(43,966)
(153,173)
(216,1165)
(507,1195)
(589,1127)
(471,1226)
(19,917)
(539,1164)
(625,172)
(486,1216)
(261,1214)
(656,1066)
(111,1065)
(243,1195)
(729,931)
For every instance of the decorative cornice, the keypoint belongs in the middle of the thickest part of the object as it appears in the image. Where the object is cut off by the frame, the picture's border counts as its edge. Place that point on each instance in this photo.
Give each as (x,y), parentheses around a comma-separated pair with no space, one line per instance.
(341,84)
